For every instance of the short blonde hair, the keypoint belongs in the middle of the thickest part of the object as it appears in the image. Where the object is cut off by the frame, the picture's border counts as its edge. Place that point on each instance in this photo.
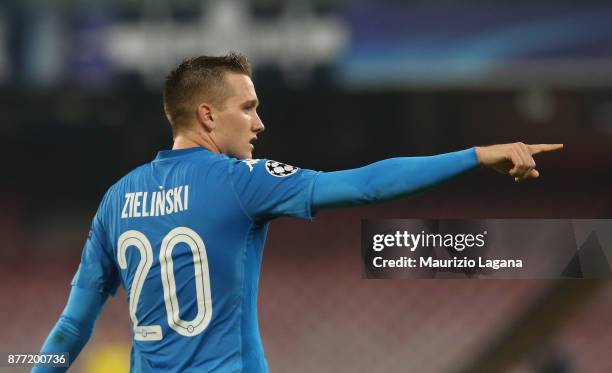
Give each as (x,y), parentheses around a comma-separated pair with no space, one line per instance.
(197,78)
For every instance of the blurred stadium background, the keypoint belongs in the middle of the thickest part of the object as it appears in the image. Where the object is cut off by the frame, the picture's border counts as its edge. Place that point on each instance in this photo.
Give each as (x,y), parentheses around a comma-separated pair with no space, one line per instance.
(342,83)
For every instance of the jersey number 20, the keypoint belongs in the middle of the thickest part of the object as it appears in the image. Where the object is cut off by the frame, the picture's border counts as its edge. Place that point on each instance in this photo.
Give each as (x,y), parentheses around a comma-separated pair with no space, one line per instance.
(187,328)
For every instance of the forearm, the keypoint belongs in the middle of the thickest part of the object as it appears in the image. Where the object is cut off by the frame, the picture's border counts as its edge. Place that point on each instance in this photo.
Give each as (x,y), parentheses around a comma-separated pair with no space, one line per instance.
(66,336)
(74,327)
(388,179)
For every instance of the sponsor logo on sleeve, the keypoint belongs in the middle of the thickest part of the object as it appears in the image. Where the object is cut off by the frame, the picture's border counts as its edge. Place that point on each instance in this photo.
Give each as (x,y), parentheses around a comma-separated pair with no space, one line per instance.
(278,169)
(250,163)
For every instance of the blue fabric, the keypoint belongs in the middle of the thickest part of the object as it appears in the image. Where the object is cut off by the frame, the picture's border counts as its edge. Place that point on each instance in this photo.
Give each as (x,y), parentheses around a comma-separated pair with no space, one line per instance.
(98,270)
(227,203)
(75,325)
(388,179)
(268,189)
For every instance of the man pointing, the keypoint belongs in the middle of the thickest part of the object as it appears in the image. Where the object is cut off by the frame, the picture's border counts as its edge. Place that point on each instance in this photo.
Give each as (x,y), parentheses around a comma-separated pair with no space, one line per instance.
(184,234)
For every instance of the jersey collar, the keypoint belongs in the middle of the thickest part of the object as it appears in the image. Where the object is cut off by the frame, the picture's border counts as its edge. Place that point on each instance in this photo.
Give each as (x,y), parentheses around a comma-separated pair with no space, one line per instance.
(168,154)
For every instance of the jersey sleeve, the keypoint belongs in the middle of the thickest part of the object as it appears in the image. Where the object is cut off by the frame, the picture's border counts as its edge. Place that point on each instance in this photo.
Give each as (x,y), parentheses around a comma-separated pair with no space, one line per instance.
(97,270)
(267,189)
(389,179)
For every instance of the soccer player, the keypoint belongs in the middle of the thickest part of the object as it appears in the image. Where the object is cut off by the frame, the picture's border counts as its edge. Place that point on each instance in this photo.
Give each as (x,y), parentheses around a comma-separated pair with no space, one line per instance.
(184,234)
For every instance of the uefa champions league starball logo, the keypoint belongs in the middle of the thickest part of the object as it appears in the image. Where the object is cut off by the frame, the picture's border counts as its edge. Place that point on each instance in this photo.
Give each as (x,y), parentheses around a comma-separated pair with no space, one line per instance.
(279,169)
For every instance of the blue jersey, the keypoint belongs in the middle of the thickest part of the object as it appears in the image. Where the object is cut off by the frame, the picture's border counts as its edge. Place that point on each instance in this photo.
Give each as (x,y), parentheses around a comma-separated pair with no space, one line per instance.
(184,234)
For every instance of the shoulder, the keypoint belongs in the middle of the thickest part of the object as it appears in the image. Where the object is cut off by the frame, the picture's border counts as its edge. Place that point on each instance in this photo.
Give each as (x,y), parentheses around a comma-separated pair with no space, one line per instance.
(263,167)
(116,192)
(125,180)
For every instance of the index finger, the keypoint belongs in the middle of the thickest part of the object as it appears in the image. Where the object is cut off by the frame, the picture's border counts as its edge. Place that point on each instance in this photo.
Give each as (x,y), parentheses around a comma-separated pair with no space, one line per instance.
(539,148)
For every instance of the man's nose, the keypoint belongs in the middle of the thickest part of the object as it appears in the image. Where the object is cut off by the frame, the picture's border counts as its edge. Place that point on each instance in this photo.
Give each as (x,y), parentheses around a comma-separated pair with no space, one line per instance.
(259,126)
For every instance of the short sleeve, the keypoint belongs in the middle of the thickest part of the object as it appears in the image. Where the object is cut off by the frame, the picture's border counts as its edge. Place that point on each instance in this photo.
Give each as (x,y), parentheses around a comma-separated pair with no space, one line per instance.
(267,189)
(97,270)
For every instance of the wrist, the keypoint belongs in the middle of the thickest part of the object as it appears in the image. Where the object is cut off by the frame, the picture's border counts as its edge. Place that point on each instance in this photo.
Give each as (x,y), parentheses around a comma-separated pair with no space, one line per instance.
(479,150)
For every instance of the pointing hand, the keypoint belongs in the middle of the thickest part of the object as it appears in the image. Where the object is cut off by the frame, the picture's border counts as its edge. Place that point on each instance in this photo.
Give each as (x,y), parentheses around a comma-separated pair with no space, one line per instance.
(515,159)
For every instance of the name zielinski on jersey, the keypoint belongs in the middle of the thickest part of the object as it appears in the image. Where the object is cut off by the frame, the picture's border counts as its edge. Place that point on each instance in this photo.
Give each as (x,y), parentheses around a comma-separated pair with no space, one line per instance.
(158,203)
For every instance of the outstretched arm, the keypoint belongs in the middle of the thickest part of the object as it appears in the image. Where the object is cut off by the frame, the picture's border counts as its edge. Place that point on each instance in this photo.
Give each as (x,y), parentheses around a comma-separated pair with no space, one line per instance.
(397,177)
(75,325)
(388,179)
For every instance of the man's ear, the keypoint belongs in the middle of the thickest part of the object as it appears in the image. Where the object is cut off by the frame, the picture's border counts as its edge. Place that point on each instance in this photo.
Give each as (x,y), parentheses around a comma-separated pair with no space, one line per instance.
(204,116)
